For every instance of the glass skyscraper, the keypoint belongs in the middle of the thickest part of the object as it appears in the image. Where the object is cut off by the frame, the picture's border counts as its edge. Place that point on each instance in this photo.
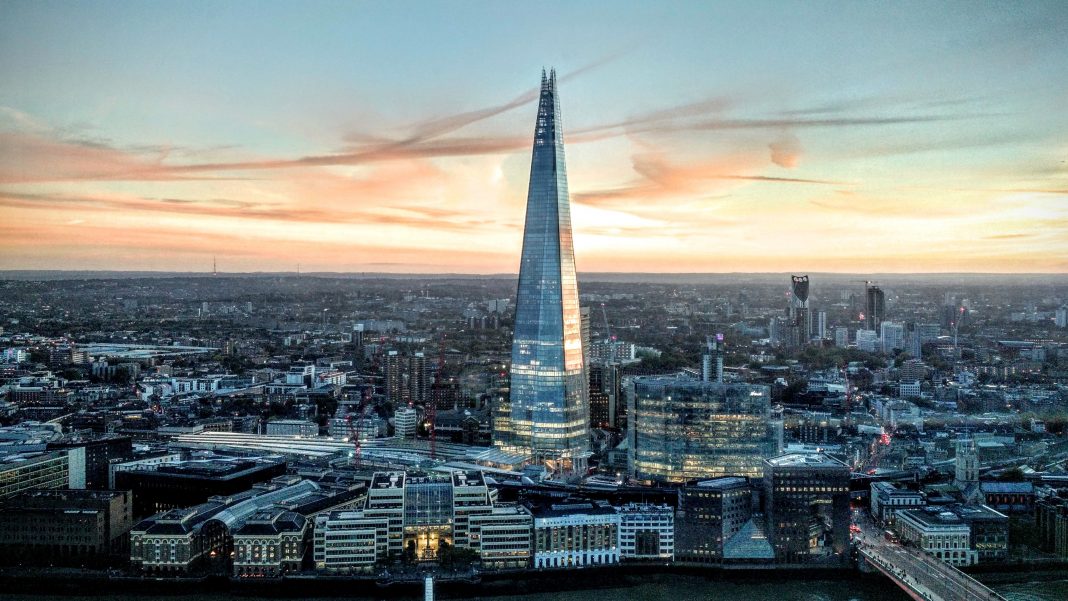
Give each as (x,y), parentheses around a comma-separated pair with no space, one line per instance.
(682,429)
(549,414)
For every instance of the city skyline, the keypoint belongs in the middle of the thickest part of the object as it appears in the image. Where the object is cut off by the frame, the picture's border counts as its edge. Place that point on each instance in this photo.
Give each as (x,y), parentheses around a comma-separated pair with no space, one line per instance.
(724,138)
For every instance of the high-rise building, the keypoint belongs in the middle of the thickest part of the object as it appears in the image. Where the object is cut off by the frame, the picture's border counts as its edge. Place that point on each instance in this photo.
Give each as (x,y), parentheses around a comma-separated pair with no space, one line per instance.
(807,507)
(710,513)
(418,378)
(549,408)
(712,360)
(405,421)
(683,429)
(800,314)
(892,335)
(396,377)
(875,307)
(841,336)
(821,324)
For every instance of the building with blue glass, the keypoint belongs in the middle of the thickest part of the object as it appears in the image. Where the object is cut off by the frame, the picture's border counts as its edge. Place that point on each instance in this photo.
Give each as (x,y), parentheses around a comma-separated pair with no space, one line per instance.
(547,416)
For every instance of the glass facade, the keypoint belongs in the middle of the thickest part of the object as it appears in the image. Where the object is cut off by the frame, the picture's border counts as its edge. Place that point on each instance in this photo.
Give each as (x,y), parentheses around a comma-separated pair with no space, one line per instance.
(549,417)
(684,429)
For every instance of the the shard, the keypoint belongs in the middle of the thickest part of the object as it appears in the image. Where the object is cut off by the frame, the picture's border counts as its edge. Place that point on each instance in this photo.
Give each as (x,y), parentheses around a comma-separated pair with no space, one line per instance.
(548,417)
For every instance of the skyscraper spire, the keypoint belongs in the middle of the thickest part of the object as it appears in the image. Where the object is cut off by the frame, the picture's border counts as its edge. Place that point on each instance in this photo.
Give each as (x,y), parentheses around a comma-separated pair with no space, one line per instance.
(548,417)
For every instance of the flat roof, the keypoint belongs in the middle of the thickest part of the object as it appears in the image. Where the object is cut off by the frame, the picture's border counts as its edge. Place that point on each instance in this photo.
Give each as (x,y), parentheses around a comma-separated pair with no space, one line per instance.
(821,460)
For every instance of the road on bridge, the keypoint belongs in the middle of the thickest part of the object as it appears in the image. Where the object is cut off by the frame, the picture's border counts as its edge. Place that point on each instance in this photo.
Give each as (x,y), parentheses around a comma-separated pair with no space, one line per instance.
(927,576)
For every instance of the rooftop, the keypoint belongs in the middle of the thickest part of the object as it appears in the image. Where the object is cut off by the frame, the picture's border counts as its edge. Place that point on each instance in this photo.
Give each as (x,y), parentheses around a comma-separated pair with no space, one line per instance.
(806,460)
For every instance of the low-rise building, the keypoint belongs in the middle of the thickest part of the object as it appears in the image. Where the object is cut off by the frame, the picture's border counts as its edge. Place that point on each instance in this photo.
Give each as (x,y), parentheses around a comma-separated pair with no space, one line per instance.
(888,497)
(568,535)
(272,542)
(939,532)
(65,527)
(21,472)
(179,541)
(292,427)
(502,538)
(176,485)
(647,532)
(414,514)
(1009,497)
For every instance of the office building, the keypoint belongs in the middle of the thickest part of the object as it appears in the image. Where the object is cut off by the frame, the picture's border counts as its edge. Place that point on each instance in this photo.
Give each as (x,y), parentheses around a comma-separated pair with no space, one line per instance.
(682,429)
(960,536)
(21,472)
(868,341)
(806,498)
(503,537)
(65,527)
(417,515)
(647,532)
(606,395)
(163,486)
(271,542)
(100,453)
(549,411)
(1051,521)
(569,535)
(710,513)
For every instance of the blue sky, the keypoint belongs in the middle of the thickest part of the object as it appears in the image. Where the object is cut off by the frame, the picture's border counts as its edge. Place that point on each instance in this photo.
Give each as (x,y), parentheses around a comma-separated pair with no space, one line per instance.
(753,136)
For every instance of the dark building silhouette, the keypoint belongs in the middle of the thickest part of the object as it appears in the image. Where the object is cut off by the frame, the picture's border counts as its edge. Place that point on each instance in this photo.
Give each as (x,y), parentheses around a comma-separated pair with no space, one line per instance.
(170,486)
(874,307)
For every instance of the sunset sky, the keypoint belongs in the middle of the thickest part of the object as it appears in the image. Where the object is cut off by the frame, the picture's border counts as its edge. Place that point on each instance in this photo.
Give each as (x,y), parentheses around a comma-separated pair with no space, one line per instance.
(701,137)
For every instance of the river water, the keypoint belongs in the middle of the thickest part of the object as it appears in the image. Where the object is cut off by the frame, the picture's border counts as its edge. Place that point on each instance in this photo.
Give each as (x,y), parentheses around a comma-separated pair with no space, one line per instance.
(665,588)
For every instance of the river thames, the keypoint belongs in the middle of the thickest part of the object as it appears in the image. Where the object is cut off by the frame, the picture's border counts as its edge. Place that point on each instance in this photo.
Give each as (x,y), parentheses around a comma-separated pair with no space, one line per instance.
(658,588)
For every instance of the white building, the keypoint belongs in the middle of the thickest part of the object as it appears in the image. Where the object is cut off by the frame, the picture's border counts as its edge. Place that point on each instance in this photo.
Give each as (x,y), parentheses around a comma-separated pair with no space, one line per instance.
(908,390)
(887,498)
(405,420)
(1060,317)
(940,533)
(892,335)
(868,340)
(576,534)
(502,537)
(841,337)
(647,532)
